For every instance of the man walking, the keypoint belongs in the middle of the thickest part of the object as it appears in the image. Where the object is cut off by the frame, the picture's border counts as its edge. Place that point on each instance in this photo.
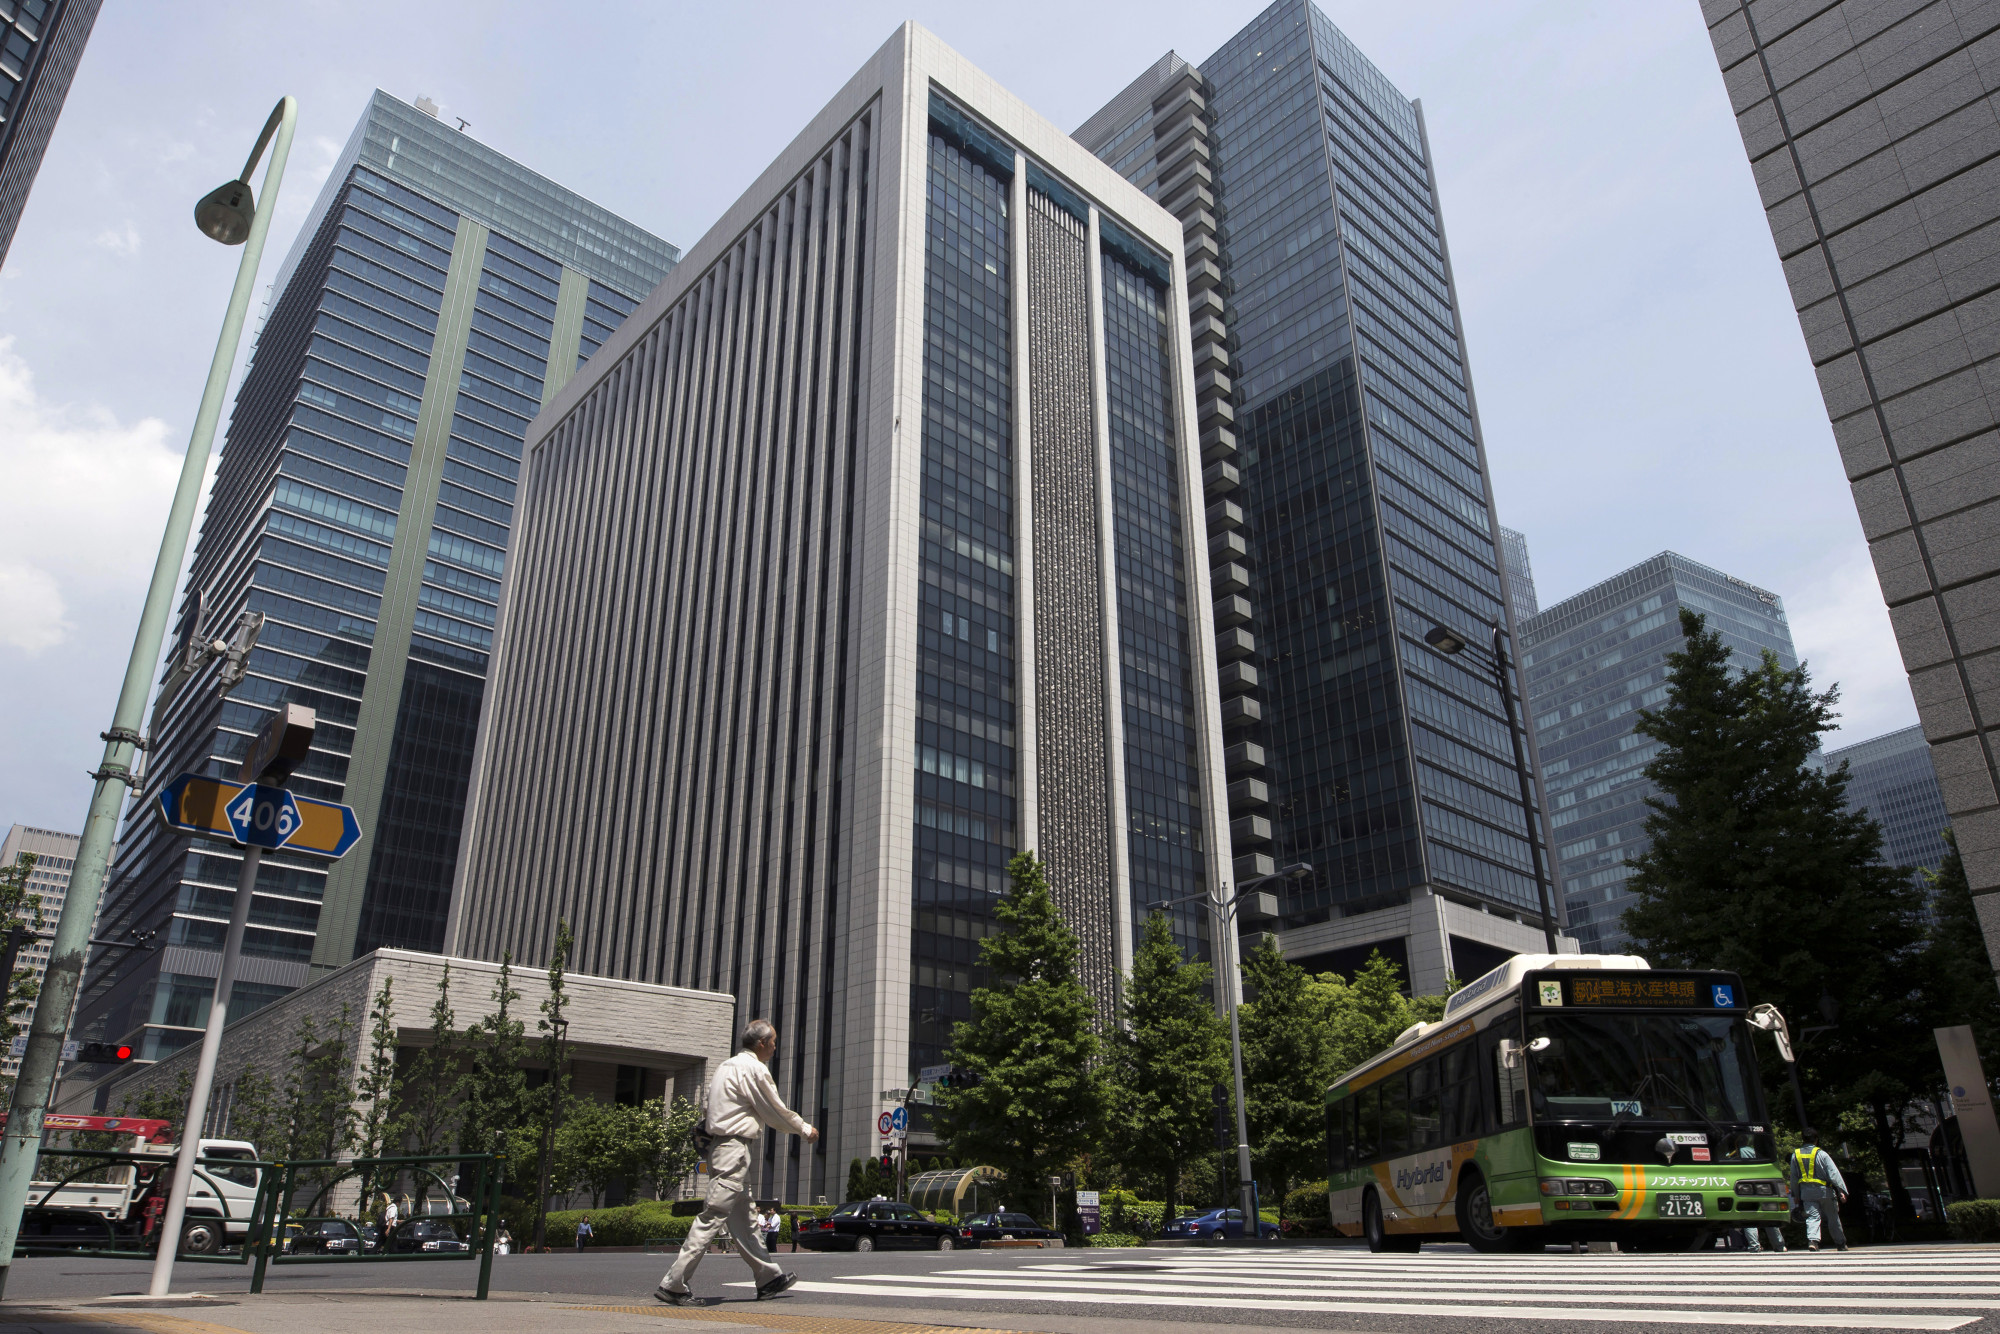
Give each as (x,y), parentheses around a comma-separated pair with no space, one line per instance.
(742,1100)
(583,1232)
(1816,1181)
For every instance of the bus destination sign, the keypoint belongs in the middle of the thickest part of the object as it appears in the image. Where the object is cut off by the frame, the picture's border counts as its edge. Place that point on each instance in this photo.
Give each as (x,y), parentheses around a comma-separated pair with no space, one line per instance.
(1638,990)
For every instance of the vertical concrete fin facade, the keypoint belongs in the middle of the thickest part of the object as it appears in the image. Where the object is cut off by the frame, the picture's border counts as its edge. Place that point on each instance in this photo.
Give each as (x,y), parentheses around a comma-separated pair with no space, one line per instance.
(1874,136)
(801,550)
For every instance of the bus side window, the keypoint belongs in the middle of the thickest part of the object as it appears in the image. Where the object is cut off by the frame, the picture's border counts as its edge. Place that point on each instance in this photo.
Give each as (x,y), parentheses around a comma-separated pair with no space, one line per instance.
(1461,1094)
(1426,1104)
(1368,1126)
(1336,1135)
(1395,1115)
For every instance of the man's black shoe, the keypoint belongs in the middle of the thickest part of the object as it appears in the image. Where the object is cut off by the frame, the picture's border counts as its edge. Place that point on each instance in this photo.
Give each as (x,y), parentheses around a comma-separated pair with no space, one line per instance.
(666,1294)
(777,1285)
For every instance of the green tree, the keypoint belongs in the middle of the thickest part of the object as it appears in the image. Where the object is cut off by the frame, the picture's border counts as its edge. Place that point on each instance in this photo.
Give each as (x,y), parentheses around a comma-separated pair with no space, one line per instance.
(551,1100)
(496,1092)
(431,1086)
(315,1103)
(1755,865)
(162,1104)
(1166,1058)
(1365,1016)
(254,1113)
(375,1087)
(670,1152)
(1287,1064)
(1036,1098)
(1957,969)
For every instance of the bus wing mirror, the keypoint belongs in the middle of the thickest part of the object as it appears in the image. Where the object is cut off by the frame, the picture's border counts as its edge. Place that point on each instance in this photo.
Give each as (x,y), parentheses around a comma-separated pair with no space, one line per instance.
(1767,1018)
(1539,1045)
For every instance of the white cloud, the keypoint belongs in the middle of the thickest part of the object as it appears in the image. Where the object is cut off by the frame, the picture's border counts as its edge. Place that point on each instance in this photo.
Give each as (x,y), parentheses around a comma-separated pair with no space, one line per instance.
(119,241)
(87,498)
(1841,629)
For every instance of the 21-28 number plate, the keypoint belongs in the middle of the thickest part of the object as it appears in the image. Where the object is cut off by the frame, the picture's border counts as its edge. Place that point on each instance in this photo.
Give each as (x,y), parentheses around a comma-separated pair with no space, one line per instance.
(1679,1206)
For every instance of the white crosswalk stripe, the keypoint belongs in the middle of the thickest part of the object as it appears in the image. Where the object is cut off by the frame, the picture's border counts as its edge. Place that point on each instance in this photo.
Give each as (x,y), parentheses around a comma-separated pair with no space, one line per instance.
(1936,1289)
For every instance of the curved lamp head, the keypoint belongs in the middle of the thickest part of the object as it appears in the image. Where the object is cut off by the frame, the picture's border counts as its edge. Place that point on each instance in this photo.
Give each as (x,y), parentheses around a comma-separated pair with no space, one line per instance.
(224,213)
(1443,640)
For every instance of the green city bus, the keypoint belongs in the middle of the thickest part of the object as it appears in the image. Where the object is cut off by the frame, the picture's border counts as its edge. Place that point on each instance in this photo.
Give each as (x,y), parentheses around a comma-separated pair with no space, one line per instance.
(1560,1098)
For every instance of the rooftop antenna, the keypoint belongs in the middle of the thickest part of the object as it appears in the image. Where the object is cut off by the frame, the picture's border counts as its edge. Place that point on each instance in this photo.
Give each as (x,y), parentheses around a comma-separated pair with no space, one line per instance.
(462,123)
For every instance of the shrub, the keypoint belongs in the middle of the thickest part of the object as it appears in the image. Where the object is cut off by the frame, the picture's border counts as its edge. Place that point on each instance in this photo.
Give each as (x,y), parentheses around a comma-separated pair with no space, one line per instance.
(1117,1239)
(1974,1220)
(627,1225)
(1307,1201)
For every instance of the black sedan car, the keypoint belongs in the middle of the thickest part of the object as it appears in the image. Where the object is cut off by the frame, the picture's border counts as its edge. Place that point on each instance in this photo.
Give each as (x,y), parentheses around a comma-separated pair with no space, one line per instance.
(980,1229)
(869,1225)
(424,1234)
(324,1236)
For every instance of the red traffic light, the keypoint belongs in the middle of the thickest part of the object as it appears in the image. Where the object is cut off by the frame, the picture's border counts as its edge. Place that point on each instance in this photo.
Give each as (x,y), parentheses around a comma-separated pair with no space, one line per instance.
(102,1053)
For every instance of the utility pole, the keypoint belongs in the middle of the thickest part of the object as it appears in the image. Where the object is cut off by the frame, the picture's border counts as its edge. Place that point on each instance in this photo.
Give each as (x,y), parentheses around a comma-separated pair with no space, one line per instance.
(230,216)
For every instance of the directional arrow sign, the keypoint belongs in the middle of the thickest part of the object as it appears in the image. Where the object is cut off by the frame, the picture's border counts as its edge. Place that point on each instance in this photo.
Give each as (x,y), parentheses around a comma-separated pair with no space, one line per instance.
(900,1119)
(216,807)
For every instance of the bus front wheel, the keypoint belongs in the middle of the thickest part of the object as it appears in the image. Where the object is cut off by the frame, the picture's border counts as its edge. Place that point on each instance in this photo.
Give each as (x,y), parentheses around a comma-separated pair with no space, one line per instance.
(1475,1220)
(1377,1231)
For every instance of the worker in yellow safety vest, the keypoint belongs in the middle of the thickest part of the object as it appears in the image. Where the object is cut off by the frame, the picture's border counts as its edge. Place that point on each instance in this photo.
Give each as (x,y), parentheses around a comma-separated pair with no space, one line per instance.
(1819,1187)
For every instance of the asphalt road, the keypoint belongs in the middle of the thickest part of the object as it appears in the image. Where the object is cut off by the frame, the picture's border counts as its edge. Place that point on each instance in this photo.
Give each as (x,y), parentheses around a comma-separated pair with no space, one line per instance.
(1446,1287)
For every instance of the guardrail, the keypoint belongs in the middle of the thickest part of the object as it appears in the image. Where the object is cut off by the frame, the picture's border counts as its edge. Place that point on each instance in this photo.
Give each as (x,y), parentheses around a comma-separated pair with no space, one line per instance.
(272,1210)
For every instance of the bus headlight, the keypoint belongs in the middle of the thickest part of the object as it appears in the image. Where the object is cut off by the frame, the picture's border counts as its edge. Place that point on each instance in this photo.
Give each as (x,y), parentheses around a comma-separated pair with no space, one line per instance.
(1577,1186)
(1760,1188)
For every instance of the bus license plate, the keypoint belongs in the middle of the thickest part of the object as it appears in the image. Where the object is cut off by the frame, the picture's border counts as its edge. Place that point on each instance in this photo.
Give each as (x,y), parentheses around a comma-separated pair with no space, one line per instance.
(1680,1206)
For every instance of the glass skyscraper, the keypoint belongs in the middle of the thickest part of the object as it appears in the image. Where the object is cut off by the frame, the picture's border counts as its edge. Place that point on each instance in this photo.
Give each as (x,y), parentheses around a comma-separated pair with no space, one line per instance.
(883,507)
(1892,779)
(1349,508)
(40,43)
(1520,573)
(1592,662)
(438,294)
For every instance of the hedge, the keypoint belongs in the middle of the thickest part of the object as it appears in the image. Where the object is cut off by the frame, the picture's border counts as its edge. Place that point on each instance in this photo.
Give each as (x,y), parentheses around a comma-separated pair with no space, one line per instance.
(1974,1220)
(1117,1239)
(1307,1201)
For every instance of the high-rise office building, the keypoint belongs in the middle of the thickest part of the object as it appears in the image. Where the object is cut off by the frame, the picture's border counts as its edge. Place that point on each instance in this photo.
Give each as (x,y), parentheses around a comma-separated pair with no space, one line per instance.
(48,883)
(865,555)
(1891,778)
(1593,661)
(1349,505)
(438,294)
(40,43)
(1870,129)
(1520,574)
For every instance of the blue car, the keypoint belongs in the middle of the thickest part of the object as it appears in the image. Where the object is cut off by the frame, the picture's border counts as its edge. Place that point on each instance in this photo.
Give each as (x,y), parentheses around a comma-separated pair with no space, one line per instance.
(1216,1225)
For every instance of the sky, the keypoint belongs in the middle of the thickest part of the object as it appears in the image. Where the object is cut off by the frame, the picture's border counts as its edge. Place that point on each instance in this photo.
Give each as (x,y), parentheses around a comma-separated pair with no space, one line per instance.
(1642,381)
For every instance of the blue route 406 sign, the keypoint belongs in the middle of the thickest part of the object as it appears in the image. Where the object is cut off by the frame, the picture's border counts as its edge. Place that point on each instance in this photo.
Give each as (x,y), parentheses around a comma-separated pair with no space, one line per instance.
(263,817)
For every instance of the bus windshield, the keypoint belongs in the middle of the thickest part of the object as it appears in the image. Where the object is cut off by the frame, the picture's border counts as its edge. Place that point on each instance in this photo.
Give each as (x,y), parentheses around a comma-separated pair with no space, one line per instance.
(1650,1067)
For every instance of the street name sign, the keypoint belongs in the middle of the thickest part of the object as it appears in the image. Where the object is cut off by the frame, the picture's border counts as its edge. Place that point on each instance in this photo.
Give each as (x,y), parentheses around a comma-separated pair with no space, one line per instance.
(253,813)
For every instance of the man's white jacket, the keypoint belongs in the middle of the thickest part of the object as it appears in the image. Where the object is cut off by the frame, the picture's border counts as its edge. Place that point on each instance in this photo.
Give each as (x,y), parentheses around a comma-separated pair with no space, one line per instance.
(743,1099)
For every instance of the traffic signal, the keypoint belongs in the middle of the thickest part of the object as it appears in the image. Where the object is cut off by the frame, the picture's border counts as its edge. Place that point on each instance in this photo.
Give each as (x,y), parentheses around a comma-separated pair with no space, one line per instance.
(888,1161)
(102,1053)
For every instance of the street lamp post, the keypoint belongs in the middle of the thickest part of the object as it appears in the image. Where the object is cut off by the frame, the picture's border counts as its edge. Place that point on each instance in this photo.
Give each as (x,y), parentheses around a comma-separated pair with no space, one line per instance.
(1451,644)
(228,215)
(1224,905)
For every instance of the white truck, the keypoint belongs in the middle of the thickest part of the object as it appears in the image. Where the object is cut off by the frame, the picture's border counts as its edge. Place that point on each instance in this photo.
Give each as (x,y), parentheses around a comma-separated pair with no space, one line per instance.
(72,1210)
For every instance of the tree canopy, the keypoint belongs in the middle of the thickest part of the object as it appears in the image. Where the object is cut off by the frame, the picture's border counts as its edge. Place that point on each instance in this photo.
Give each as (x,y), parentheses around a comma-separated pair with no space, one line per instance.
(1756,866)
(1166,1059)
(1035,1098)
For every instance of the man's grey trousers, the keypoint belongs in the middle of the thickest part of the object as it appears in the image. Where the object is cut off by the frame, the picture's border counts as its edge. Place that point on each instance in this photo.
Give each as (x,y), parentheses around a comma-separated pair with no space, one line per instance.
(727,1205)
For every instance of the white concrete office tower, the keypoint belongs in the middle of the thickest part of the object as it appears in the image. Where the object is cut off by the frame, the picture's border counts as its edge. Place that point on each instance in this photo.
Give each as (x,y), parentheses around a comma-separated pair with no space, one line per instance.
(865,554)
(55,856)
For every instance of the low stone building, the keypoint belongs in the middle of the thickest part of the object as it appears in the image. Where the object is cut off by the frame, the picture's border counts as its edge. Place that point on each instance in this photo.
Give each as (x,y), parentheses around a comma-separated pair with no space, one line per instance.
(628,1041)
